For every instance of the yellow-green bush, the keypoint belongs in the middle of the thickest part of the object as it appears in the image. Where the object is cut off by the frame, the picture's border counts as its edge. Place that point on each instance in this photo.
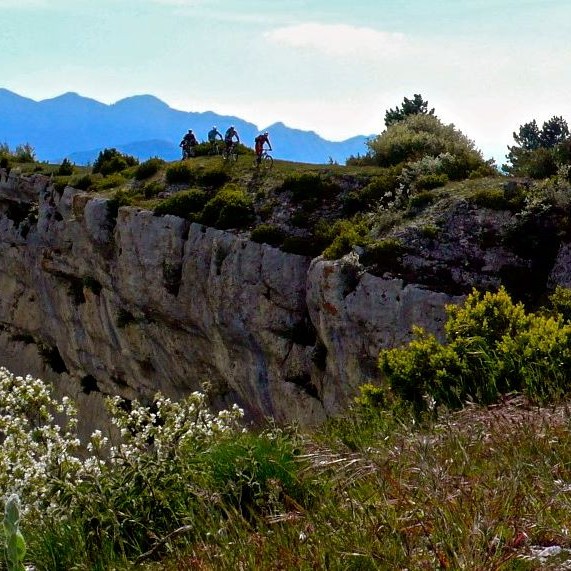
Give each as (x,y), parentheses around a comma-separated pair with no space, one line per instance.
(344,234)
(232,207)
(420,135)
(183,204)
(148,168)
(268,234)
(179,173)
(493,347)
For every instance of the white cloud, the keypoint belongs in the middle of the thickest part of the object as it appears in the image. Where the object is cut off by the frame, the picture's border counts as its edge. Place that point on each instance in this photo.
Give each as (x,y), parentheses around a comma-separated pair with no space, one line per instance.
(339,39)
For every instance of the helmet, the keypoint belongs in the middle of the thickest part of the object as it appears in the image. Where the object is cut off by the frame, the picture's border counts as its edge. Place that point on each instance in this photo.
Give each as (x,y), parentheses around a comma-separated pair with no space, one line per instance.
(231,126)
(265,133)
(214,127)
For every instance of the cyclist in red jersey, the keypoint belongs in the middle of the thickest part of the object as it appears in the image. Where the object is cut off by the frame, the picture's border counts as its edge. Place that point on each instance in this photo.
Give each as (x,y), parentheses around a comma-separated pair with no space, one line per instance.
(259,141)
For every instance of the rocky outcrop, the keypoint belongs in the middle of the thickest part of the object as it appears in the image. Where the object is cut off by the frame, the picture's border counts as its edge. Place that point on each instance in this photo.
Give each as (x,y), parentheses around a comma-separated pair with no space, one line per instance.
(104,301)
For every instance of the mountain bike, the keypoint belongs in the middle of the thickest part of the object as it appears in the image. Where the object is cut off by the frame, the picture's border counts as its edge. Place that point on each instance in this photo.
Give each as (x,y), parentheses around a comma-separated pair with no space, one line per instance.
(266,160)
(187,152)
(214,148)
(230,154)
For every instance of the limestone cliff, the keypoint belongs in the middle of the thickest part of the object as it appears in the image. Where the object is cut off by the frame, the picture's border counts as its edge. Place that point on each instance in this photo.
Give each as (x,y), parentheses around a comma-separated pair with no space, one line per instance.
(102,302)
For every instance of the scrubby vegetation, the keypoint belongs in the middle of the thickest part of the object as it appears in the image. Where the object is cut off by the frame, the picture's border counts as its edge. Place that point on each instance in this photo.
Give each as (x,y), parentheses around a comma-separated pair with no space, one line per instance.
(111,161)
(149,168)
(540,153)
(399,481)
(493,347)
(183,204)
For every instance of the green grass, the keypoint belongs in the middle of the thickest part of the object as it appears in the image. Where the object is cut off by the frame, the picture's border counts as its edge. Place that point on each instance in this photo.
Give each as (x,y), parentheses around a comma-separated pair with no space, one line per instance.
(329,194)
(472,491)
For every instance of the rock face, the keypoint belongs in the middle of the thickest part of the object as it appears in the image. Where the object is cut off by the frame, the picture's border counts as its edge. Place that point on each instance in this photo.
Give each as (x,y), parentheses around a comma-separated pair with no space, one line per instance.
(103,301)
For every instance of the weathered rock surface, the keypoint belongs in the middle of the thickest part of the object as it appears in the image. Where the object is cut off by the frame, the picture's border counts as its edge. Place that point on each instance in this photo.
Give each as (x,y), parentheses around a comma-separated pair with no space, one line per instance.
(103,302)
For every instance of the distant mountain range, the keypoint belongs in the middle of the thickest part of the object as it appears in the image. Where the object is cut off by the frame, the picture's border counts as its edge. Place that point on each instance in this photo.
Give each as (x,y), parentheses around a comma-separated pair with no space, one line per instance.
(78,128)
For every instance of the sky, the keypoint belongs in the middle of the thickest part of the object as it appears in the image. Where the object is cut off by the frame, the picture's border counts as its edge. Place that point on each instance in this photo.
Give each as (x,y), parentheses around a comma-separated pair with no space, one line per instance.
(329,66)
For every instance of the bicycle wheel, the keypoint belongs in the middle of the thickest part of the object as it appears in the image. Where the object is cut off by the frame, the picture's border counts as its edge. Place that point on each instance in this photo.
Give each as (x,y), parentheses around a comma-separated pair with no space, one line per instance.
(268,162)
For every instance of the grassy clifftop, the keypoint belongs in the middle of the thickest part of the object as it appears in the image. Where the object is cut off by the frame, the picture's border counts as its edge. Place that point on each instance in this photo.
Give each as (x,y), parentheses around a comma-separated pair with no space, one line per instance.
(449,231)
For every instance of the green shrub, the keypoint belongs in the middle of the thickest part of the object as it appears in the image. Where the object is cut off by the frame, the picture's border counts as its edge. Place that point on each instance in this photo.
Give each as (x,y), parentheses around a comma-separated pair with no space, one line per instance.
(493,347)
(540,163)
(268,234)
(344,235)
(84,182)
(183,204)
(25,154)
(301,219)
(111,161)
(302,246)
(60,182)
(153,188)
(232,207)
(380,185)
(149,168)
(384,255)
(114,180)
(179,173)
(423,135)
(202,149)
(429,231)
(420,200)
(430,181)
(113,204)
(560,302)
(213,177)
(499,199)
(308,187)
(379,190)
(65,169)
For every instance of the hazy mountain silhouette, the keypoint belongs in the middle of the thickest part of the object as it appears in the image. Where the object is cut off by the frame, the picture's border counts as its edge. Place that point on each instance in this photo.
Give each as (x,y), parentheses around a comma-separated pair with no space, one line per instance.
(78,128)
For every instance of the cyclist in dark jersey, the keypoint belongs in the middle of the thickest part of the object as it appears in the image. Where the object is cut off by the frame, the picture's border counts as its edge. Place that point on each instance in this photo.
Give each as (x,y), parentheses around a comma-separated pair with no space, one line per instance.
(229,137)
(259,145)
(213,134)
(187,144)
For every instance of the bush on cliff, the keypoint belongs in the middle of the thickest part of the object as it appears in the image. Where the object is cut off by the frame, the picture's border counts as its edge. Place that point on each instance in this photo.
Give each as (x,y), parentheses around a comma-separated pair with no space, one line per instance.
(343,235)
(184,204)
(493,347)
(538,153)
(84,182)
(268,234)
(149,168)
(111,161)
(306,187)
(179,173)
(420,135)
(65,169)
(232,207)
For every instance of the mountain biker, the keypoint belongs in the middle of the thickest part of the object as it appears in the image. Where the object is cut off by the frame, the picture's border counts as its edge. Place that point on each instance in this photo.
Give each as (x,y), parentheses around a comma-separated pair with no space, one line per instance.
(213,133)
(229,136)
(187,144)
(259,145)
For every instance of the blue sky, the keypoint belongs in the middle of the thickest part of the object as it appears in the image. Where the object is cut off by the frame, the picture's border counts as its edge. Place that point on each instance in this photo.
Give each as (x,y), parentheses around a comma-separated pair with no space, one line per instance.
(331,66)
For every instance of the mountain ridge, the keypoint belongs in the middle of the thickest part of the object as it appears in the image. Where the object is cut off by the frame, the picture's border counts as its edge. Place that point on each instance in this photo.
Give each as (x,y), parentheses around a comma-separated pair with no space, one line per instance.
(78,128)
